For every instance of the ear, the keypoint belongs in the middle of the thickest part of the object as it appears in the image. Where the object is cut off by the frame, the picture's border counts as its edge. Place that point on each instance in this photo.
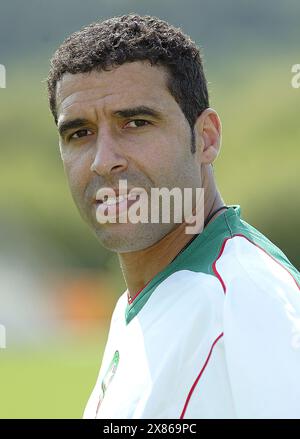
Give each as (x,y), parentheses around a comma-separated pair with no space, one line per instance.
(208,130)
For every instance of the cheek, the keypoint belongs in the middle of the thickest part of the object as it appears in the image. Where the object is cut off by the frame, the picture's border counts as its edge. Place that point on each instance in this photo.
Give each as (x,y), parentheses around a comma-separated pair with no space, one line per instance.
(161,152)
(78,172)
(156,164)
(161,161)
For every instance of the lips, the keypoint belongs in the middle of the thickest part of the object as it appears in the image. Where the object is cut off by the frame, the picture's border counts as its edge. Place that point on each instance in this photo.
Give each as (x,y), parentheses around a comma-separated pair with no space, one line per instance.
(112,197)
(111,201)
(110,204)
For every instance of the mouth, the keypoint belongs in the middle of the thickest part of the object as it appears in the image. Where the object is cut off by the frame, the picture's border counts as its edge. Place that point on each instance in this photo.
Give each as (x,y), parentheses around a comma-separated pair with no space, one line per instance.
(108,206)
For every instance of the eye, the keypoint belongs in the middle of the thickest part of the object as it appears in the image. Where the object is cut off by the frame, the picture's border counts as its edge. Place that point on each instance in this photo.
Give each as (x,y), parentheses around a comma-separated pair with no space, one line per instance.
(138,123)
(78,134)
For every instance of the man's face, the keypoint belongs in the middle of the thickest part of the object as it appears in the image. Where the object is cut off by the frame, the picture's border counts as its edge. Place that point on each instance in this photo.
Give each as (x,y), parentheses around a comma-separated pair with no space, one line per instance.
(150,147)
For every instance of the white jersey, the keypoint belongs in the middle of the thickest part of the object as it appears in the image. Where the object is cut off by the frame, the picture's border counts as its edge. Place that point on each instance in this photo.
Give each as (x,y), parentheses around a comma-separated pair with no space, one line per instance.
(216,334)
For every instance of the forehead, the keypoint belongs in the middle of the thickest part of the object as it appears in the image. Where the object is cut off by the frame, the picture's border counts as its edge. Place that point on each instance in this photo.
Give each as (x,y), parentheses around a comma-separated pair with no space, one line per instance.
(129,84)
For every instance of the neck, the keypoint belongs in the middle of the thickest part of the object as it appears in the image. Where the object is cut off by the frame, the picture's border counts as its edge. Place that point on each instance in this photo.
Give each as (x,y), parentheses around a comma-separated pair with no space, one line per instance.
(141,266)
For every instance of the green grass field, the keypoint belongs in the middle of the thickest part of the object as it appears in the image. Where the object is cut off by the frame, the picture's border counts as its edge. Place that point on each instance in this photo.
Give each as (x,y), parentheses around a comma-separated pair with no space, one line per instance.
(53,382)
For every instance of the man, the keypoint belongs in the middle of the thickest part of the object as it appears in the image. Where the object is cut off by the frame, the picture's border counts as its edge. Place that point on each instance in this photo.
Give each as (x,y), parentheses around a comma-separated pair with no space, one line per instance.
(209,326)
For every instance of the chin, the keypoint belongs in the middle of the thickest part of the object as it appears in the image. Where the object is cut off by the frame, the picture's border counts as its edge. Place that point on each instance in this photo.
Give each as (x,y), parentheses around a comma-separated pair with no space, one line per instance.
(124,238)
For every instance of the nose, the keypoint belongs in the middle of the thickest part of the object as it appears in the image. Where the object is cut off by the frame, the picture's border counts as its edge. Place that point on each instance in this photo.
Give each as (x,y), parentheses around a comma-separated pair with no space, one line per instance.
(109,158)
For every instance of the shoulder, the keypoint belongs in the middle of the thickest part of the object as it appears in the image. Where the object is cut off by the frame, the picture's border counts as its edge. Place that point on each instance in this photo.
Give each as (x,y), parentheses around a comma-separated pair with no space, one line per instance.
(261,321)
(253,261)
(262,293)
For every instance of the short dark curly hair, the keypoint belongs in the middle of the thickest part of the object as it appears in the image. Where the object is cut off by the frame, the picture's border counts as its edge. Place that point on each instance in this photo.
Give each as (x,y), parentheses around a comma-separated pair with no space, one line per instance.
(102,45)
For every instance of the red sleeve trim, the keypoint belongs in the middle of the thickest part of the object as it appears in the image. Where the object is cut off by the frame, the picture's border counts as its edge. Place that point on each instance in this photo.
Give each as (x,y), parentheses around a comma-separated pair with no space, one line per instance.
(215,268)
(199,376)
(256,245)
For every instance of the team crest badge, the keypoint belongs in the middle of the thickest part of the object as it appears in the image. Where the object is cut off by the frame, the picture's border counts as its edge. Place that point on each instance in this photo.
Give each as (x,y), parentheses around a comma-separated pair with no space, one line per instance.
(108,377)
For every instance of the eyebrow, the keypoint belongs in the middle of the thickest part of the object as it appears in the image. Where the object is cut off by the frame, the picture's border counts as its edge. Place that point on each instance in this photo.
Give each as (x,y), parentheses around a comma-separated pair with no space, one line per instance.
(67,125)
(141,110)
